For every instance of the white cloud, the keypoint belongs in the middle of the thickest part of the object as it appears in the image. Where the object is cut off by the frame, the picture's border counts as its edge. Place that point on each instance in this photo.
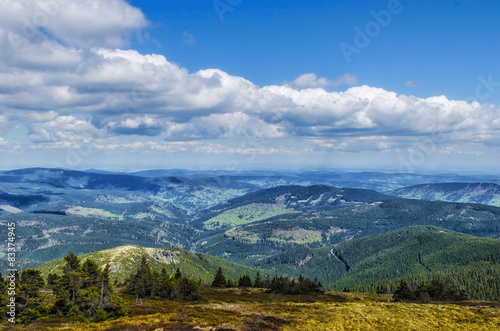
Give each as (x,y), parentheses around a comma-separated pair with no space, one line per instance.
(77,86)
(311,80)
(230,125)
(145,125)
(62,129)
(78,23)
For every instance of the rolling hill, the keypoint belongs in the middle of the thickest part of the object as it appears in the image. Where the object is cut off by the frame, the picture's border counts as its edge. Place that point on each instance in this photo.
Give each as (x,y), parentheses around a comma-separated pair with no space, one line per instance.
(267,203)
(124,260)
(245,239)
(482,193)
(418,253)
(236,217)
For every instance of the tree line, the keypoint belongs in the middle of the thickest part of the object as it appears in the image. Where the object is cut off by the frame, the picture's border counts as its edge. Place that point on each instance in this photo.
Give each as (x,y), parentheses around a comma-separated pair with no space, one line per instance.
(435,290)
(85,290)
(277,284)
(481,281)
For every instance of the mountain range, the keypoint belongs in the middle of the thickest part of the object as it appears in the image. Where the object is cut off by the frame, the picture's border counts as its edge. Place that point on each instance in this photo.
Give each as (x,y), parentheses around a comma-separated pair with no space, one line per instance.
(481,193)
(288,223)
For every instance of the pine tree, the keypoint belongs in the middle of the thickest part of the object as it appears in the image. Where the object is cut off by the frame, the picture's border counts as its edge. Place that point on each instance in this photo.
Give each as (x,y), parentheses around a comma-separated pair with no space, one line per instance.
(52,279)
(403,291)
(258,281)
(188,289)
(68,289)
(140,283)
(85,290)
(245,281)
(91,273)
(166,286)
(29,297)
(219,279)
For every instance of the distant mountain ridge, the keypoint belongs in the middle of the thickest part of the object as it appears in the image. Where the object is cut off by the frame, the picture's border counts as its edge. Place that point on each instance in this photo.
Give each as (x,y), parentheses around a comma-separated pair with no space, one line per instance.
(482,193)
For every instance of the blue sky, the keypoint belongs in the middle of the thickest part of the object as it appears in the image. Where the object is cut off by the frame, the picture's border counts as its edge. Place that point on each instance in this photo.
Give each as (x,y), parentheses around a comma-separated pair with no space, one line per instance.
(234,85)
(441,46)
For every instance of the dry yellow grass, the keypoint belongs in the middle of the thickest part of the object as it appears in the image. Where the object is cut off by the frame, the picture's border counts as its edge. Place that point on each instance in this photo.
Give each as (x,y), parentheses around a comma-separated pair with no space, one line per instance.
(237,309)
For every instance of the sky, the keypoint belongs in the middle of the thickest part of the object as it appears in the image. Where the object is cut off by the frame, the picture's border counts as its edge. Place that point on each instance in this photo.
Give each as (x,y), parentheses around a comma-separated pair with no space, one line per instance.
(406,86)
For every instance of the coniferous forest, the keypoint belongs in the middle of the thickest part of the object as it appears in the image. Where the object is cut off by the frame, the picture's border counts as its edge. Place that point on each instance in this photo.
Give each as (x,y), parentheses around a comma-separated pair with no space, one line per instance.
(169,254)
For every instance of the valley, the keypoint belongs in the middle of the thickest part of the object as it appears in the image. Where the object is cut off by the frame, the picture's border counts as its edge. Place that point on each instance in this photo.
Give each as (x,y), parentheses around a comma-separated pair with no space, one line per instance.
(363,238)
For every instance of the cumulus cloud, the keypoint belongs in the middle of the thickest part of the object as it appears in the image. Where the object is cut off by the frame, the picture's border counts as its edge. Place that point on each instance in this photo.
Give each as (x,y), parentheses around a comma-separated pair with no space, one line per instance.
(62,128)
(78,23)
(229,125)
(145,125)
(72,84)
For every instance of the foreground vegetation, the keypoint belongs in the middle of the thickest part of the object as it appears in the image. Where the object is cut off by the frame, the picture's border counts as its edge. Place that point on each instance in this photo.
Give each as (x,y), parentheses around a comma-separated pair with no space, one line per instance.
(255,309)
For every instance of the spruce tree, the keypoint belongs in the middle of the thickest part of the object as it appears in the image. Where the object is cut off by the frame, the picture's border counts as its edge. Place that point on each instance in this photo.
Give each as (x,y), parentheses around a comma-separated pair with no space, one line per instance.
(219,279)
(85,290)
(258,281)
(245,281)
(403,291)
(29,297)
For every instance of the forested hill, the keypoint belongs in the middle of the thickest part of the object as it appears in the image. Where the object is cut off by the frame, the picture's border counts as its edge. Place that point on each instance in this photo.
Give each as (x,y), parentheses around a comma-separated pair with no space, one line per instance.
(124,260)
(419,253)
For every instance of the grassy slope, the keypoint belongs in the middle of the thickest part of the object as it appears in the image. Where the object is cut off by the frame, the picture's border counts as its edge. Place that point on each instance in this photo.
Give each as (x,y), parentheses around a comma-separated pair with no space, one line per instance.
(124,260)
(241,309)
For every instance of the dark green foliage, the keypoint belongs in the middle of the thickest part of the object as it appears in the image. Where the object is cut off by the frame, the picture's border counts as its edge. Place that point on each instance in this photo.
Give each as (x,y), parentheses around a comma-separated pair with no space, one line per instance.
(245,281)
(148,283)
(381,289)
(188,289)
(178,273)
(258,281)
(403,292)
(285,285)
(30,299)
(435,290)
(418,254)
(351,221)
(52,279)
(219,279)
(86,290)
(141,283)
(438,290)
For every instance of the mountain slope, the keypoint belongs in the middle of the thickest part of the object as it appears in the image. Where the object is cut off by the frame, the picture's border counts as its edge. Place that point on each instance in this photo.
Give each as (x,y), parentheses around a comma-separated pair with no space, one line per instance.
(124,260)
(483,193)
(263,204)
(420,252)
(319,228)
